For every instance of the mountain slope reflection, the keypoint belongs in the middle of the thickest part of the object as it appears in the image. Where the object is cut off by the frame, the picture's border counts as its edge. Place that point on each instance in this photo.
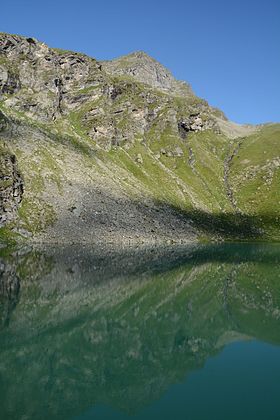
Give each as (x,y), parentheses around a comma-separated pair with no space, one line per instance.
(82,327)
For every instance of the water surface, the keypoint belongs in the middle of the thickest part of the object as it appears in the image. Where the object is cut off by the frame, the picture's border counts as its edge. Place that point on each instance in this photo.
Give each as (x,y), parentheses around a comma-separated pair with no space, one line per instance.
(181,333)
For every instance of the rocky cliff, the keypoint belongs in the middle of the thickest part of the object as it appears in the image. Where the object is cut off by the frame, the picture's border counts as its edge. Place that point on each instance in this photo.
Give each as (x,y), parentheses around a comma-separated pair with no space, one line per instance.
(121,150)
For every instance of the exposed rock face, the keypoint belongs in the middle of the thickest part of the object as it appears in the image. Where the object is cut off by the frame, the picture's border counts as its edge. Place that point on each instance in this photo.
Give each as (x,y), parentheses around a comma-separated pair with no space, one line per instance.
(11,187)
(46,79)
(9,82)
(195,124)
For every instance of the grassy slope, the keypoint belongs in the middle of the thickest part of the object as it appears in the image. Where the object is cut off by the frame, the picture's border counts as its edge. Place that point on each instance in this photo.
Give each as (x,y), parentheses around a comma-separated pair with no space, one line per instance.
(255,178)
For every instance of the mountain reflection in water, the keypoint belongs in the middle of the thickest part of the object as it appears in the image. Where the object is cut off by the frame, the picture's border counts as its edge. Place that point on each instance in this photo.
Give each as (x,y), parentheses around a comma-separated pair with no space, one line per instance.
(83,328)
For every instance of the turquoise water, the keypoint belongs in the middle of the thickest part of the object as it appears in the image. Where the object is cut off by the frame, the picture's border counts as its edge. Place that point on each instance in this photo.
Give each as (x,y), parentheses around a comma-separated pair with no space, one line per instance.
(173,333)
(240,383)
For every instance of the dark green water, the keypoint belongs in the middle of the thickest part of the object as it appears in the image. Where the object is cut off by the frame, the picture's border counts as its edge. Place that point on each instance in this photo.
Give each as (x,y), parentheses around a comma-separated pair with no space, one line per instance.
(174,333)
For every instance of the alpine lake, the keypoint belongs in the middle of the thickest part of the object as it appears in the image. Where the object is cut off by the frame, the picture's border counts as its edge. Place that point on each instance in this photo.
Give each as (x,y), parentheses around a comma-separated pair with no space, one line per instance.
(176,332)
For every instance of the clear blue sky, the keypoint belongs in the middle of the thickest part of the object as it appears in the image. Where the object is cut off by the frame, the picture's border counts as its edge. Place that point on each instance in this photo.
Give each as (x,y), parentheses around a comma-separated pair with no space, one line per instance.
(228,50)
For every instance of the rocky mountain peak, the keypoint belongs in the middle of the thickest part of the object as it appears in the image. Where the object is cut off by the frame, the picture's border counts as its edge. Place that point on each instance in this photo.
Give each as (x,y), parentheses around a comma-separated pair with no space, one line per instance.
(146,69)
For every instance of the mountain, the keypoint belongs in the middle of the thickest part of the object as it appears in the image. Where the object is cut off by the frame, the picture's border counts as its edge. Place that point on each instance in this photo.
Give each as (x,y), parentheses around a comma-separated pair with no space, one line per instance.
(121,151)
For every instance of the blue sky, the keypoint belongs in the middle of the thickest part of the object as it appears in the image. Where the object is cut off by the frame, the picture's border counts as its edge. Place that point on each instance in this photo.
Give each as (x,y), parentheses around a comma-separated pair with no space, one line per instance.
(228,50)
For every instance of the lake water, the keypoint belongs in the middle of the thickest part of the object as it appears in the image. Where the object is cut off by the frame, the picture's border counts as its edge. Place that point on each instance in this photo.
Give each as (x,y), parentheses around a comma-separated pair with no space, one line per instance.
(155,333)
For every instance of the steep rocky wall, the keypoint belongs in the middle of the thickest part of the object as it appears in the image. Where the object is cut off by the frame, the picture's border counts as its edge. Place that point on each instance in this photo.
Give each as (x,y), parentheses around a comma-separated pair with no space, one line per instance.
(11,186)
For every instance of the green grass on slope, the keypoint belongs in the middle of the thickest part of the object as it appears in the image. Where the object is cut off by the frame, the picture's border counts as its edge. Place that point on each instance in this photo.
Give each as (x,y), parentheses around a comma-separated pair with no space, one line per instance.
(255,177)
(156,181)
